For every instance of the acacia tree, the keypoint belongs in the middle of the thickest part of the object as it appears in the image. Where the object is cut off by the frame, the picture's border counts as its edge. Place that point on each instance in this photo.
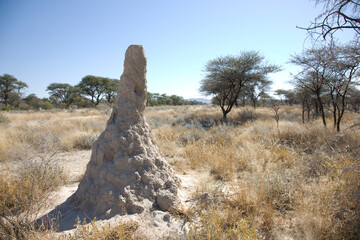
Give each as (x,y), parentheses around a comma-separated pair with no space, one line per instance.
(304,96)
(9,84)
(257,89)
(336,15)
(63,93)
(345,76)
(93,87)
(329,71)
(316,64)
(286,95)
(226,77)
(59,92)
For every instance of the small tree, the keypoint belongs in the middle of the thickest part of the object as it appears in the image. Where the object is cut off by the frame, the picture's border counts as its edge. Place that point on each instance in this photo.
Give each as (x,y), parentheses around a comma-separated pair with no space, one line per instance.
(288,96)
(176,100)
(345,69)
(305,97)
(33,101)
(257,89)
(59,92)
(9,84)
(316,64)
(276,107)
(226,77)
(63,93)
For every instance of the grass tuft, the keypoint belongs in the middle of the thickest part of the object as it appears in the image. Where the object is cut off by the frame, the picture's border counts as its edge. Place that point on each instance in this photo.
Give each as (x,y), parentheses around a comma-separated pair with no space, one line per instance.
(91,231)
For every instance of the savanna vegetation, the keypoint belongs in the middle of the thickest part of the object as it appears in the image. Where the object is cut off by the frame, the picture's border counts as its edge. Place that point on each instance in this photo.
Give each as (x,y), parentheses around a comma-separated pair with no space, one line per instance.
(257,180)
(266,167)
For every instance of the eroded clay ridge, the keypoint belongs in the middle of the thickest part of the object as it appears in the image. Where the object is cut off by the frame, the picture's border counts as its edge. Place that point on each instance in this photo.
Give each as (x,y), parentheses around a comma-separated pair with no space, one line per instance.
(126,173)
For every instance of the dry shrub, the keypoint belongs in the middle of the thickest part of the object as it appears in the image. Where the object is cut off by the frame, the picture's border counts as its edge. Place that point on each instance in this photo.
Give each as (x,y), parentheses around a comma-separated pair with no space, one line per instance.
(166,140)
(221,223)
(85,142)
(330,208)
(236,215)
(219,159)
(25,193)
(205,118)
(91,231)
(190,134)
(245,116)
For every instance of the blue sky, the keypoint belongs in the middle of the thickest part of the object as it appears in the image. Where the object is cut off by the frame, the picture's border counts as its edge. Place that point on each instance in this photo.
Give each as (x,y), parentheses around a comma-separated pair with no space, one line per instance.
(43,42)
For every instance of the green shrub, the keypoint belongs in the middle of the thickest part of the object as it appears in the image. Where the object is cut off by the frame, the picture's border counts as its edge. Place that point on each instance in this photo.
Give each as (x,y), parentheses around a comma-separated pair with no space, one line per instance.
(7,108)
(4,119)
(44,105)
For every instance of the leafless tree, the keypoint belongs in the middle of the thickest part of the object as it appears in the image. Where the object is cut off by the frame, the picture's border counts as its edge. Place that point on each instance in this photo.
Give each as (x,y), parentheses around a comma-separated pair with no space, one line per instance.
(315,65)
(336,15)
(345,70)
(329,73)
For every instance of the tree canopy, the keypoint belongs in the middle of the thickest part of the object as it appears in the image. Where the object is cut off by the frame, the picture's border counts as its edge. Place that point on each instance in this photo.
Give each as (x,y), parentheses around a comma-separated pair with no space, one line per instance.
(98,87)
(9,84)
(110,87)
(226,77)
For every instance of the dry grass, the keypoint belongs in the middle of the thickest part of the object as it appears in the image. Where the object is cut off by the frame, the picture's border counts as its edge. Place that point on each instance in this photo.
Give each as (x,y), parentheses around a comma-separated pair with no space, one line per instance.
(91,231)
(44,131)
(266,182)
(24,191)
(298,181)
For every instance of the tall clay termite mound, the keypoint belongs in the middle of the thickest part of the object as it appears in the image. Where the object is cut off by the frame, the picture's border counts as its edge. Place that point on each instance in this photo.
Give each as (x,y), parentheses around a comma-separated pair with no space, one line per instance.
(126,173)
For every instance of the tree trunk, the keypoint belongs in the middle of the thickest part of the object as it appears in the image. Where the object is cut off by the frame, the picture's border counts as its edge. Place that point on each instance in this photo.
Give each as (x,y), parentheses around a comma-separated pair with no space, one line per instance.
(321,108)
(338,126)
(340,112)
(334,108)
(6,97)
(308,110)
(224,115)
(316,108)
(303,111)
